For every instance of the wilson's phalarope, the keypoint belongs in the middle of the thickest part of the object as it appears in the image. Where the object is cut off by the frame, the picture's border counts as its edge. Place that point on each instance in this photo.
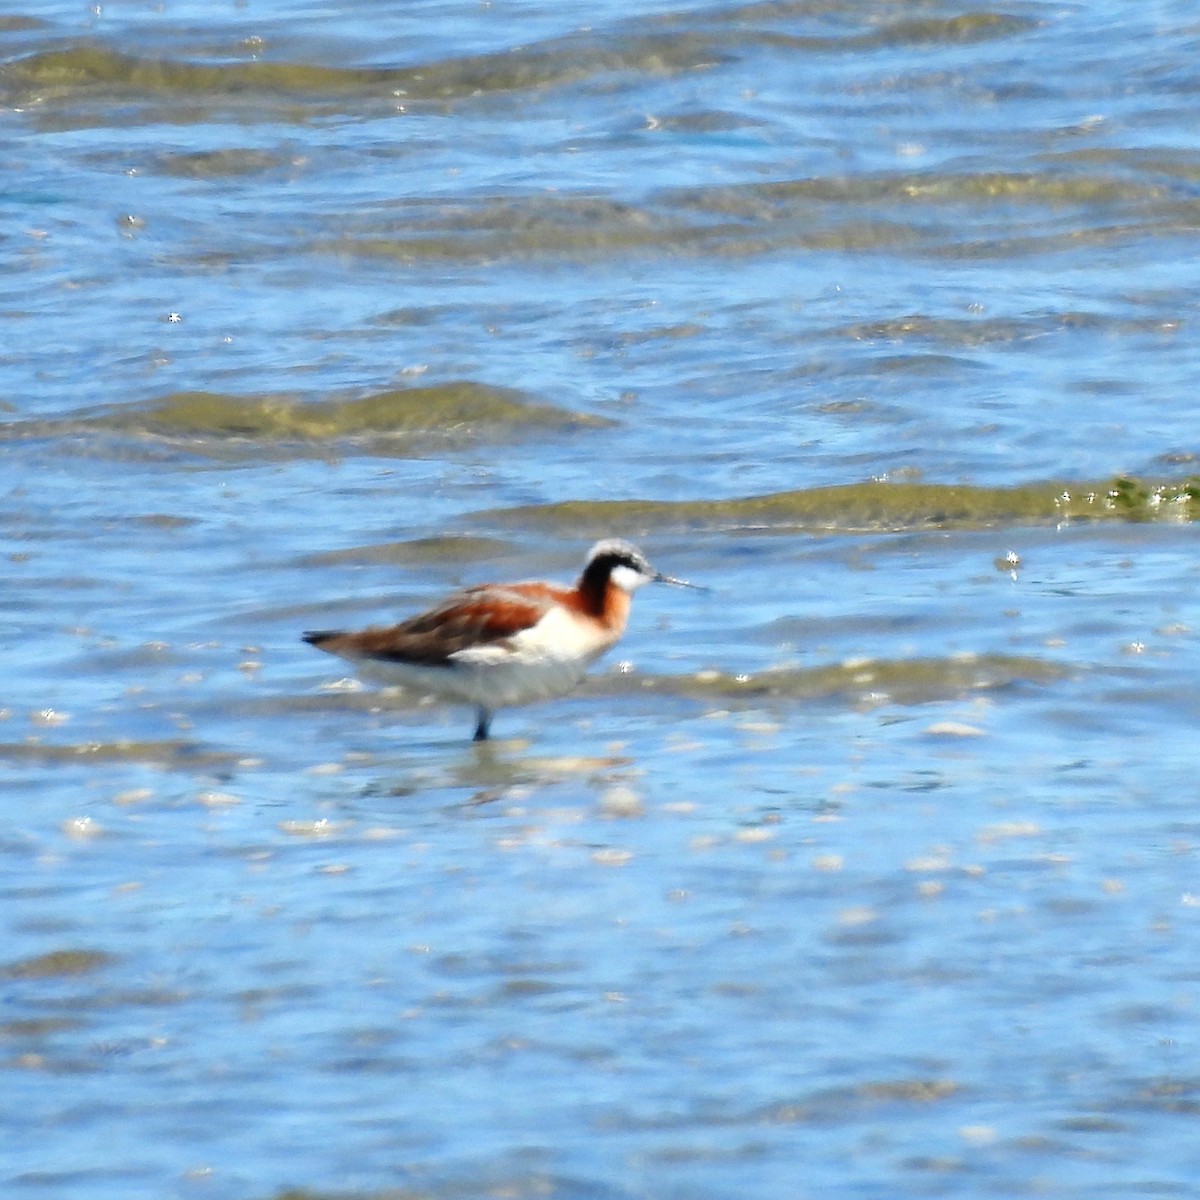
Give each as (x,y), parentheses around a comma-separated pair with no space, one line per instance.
(497,644)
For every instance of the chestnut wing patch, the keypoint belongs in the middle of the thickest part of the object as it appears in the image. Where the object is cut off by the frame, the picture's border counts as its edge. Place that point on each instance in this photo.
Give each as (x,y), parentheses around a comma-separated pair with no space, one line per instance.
(478,616)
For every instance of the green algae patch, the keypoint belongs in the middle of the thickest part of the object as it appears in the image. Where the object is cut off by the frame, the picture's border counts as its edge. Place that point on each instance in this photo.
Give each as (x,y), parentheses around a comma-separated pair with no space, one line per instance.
(873,506)
(859,681)
(392,422)
(846,1103)
(965,27)
(867,683)
(449,549)
(86,69)
(58,964)
(447,408)
(89,67)
(230,163)
(160,754)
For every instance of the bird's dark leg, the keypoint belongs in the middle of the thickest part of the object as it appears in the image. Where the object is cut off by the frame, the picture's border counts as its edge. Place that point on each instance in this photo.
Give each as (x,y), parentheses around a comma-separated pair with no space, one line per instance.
(481,727)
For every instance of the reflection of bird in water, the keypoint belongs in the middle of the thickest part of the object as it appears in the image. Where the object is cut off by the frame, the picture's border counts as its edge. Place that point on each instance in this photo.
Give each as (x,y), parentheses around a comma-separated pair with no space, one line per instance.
(505,643)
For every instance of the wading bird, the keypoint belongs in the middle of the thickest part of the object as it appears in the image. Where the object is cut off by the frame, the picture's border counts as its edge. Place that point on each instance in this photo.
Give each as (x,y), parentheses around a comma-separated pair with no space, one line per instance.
(498,644)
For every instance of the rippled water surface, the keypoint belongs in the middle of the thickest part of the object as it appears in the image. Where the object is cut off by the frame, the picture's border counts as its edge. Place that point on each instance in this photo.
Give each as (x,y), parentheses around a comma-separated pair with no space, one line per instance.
(871,871)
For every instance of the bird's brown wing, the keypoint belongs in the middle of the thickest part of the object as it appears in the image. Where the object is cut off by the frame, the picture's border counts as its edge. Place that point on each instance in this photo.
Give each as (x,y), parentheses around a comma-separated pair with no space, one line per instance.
(476,616)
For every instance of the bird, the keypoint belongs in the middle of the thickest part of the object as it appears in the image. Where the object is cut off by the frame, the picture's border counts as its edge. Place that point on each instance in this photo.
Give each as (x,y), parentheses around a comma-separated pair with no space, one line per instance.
(499,644)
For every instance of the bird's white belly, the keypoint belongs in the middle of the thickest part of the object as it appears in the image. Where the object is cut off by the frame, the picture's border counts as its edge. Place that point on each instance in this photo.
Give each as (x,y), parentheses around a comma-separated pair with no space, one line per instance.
(546,660)
(495,685)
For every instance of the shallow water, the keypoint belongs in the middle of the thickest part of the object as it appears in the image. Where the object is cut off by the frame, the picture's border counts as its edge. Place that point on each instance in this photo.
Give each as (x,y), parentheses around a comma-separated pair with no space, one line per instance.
(872,871)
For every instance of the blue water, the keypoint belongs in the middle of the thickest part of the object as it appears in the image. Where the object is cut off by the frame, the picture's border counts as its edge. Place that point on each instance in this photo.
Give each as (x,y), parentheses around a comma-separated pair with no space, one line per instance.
(871,872)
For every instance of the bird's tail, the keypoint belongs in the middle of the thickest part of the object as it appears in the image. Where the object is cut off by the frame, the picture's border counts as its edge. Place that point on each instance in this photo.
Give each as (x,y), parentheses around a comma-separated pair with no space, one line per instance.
(318,637)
